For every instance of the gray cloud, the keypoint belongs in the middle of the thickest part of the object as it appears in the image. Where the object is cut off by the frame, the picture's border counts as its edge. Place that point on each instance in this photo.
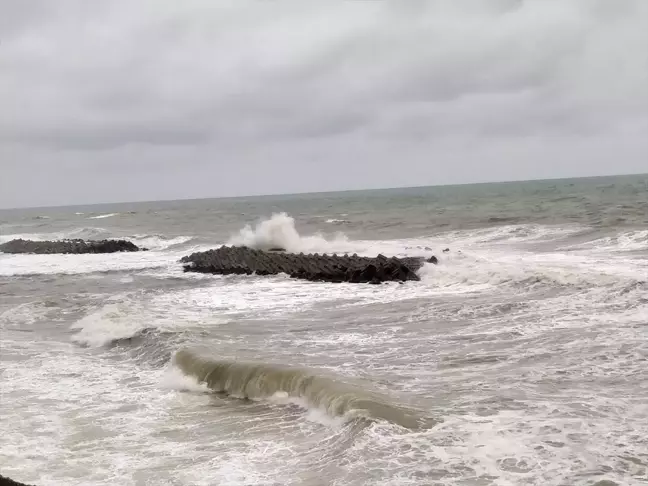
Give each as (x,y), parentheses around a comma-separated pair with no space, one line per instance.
(122,100)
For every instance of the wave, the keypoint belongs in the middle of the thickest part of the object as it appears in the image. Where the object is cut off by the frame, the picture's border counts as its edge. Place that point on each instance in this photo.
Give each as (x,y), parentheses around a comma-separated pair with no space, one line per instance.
(102,216)
(128,326)
(152,242)
(31,265)
(279,232)
(111,324)
(630,241)
(337,221)
(86,233)
(267,381)
(512,233)
(157,242)
(518,271)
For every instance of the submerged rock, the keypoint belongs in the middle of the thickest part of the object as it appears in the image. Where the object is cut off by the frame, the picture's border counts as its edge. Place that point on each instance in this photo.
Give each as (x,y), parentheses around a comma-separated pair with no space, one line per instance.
(325,268)
(68,246)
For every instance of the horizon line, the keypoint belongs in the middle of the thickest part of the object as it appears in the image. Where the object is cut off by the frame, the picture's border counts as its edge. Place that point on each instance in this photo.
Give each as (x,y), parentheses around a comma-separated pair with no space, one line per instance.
(144,201)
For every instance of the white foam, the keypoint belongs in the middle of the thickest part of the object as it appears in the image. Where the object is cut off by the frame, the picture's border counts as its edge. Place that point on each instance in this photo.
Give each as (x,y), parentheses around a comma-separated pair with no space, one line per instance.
(279,232)
(125,316)
(313,414)
(505,235)
(102,216)
(157,242)
(83,233)
(117,320)
(174,379)
(636,240)
(23,264)
(152,242)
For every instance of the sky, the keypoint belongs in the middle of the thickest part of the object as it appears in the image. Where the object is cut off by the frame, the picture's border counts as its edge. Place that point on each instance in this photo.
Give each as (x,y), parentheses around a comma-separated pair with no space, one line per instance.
(132,100)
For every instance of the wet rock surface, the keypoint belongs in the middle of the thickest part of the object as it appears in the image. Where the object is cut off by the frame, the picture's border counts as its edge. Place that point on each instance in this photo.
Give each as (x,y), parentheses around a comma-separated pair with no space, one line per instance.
(68,246)
(5,481)
(325,268)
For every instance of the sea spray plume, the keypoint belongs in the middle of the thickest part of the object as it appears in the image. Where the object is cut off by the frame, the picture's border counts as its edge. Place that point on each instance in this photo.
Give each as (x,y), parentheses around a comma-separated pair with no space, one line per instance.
(279,232)
(263,381)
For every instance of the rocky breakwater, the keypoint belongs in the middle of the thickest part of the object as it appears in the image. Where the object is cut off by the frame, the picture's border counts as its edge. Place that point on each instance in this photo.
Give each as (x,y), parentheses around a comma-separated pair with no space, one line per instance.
(5,481)
(68,246)
(324,268)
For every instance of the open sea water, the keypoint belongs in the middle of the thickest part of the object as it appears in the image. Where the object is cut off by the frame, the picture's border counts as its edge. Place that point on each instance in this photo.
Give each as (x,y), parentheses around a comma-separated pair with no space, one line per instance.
(521,359)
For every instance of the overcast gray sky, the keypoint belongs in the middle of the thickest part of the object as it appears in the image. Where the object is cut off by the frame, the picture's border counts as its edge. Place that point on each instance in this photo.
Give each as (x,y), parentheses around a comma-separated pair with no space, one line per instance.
(153,99)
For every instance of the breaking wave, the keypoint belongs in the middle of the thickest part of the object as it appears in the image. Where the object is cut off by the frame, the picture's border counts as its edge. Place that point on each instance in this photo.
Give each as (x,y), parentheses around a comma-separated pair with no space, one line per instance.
(636,240)
(102,216)
(89,233)
(109,324)
(152,242)
(279,232)
(158,242)
(481,269)
(267,381)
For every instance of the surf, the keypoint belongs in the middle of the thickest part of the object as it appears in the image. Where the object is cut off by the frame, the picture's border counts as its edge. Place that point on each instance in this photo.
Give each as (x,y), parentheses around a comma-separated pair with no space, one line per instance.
(279,231)
(259,381)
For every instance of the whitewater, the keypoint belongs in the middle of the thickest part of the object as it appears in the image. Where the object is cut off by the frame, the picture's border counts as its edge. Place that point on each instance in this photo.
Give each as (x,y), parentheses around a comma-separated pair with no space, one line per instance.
(520,359)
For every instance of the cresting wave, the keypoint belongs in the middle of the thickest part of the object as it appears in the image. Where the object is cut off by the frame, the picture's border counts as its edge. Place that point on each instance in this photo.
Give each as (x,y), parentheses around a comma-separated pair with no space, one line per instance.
(264,381)
(158,242)
(152,242)
(90,233)
(103,216)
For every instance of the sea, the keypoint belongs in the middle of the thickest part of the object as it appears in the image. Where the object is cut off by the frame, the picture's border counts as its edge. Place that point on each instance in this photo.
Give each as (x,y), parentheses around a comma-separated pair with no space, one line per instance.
(520,359)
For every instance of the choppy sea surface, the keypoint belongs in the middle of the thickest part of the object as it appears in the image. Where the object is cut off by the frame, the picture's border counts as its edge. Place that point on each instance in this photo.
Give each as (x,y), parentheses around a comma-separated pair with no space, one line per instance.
(521,359)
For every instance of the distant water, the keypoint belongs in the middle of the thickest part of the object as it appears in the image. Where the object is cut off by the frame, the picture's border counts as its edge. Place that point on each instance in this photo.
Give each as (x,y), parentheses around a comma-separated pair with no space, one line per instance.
(521,359)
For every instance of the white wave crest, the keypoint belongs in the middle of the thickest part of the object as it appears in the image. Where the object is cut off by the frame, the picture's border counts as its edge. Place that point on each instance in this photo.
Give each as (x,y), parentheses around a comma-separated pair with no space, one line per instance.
(279,232)
(487,268)
(519,233)
(116,320)
(25,264)
(86,233)
(636,240)
(157,242)
(175,379)
(102,216)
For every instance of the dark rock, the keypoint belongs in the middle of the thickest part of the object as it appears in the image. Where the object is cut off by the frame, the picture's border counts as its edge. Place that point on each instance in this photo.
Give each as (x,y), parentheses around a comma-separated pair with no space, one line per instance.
(432,259)
(446,250)
(5,481)
(68,246)
(277,249)
(319,268)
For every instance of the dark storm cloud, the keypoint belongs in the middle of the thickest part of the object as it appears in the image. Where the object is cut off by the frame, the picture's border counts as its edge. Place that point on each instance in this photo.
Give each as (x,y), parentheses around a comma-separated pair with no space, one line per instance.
(281,96)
